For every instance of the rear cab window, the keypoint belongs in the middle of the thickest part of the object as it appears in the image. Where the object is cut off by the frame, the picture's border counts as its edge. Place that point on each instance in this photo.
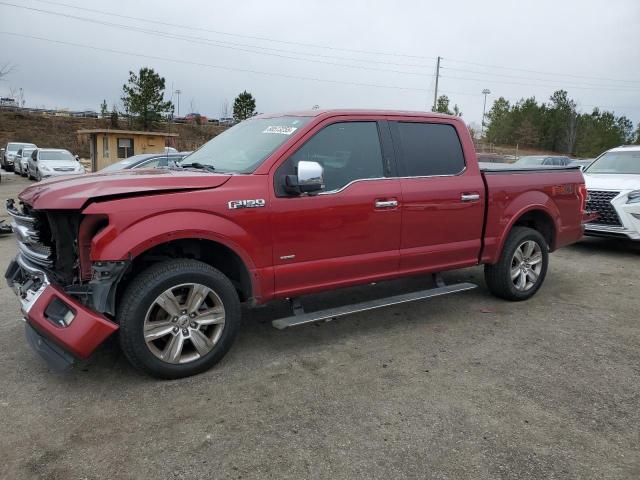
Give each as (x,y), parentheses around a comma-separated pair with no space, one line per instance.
(427,149)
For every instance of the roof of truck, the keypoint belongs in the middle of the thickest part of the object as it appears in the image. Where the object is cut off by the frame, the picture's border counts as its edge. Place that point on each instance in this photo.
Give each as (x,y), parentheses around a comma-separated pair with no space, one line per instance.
(347,111)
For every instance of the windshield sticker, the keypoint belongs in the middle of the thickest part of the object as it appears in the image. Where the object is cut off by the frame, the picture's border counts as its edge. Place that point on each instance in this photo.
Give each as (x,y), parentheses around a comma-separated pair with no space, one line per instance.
(283,130)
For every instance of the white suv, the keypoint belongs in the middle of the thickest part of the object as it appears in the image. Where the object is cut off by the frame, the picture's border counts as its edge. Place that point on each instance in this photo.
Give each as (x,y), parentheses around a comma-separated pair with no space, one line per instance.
(613,183)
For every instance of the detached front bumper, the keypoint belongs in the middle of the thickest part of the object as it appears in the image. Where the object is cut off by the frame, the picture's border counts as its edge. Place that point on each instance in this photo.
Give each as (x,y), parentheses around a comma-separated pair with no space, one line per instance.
(58,326)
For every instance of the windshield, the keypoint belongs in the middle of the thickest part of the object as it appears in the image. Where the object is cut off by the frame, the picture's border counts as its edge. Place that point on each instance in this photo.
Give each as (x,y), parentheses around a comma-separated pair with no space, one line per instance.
(124,163)
(243,147)
(532,160)
(14,147)
(617,162)
(55,155)
(26,152)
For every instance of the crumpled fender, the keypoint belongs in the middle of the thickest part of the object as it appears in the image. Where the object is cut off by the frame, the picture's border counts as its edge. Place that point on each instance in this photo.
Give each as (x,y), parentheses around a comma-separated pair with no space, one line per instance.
(113,243)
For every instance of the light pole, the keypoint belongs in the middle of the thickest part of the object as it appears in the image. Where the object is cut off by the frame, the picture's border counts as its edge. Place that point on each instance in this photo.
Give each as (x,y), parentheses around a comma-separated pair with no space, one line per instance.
(178,92)
(485,92)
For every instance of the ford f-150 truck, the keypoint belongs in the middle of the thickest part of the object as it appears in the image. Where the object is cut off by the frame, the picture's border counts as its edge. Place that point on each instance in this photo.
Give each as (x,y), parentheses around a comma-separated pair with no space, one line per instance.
(276,207)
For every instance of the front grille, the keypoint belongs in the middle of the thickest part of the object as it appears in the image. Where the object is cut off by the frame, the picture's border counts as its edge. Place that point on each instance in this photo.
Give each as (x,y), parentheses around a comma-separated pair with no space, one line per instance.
(600,201)
(64,169)
(30,229)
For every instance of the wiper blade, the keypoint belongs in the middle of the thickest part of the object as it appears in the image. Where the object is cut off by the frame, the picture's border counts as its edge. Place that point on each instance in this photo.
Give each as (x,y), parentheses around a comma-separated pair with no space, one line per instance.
(201,166)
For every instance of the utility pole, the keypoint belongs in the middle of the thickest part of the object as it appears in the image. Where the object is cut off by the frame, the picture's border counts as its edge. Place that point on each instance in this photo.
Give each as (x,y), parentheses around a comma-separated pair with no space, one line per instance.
(178,92)
(435,93)
(485,92)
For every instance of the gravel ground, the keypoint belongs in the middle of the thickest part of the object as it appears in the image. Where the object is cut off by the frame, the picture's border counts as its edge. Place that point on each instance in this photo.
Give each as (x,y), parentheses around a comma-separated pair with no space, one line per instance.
(459,387)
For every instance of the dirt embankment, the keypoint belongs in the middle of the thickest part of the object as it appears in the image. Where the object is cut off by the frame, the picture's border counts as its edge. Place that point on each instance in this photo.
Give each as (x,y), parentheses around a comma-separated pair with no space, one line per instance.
(60,132)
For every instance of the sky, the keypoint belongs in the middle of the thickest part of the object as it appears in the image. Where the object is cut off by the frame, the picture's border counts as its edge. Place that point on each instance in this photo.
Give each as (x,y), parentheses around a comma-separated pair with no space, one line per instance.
(333,54)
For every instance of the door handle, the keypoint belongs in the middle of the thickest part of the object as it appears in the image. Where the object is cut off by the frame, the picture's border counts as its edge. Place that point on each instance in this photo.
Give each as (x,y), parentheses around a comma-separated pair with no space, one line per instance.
(470,197)
(386,203)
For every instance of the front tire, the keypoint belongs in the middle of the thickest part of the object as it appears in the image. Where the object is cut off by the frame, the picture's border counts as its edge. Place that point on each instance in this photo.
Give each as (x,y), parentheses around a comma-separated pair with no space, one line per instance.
(178,318)
(522,266)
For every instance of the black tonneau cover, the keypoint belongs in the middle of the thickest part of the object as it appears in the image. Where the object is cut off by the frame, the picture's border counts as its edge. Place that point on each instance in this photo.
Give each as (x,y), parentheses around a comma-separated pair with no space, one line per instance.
(488,167)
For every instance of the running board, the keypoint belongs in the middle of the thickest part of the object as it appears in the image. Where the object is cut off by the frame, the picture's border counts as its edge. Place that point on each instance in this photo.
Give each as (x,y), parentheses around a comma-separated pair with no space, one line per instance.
(331,313)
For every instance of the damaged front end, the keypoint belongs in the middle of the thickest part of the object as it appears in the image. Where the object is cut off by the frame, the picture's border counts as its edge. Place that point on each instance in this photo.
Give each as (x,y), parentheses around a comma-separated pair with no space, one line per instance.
(67,302)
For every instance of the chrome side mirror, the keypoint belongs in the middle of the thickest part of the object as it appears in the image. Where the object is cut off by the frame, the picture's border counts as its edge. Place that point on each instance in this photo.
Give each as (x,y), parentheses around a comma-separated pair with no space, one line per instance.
(310,178)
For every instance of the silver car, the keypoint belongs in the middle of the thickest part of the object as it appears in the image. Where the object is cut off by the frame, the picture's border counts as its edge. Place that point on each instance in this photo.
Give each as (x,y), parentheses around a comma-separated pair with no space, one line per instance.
(10,152)
(22,160)
(52,162)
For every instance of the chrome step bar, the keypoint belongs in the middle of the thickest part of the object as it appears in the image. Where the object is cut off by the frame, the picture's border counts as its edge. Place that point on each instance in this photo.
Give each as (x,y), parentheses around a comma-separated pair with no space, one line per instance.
(331,313)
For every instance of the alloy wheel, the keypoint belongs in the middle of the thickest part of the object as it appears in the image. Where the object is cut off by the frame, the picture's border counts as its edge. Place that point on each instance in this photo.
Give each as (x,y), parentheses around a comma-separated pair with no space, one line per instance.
(526,265)
(184,323)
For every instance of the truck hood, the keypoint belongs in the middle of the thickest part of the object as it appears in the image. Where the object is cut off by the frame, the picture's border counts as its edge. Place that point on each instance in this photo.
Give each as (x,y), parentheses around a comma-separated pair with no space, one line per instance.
(73,192)
(612,181)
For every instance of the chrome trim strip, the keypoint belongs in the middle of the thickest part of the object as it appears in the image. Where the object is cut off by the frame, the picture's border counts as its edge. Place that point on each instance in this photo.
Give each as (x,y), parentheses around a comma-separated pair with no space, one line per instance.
(20,217)
(331,192)
(24,233)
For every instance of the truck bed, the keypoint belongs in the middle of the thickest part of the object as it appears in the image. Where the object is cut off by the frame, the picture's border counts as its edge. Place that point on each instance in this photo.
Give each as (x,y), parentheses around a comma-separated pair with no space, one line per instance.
(512,191)
(488,167)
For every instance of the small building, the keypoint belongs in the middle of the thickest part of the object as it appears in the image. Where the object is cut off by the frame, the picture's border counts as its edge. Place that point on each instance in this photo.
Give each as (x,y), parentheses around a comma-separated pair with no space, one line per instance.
(107,146)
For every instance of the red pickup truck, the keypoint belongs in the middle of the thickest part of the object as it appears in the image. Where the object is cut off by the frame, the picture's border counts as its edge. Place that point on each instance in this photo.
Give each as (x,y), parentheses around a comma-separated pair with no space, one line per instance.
(276,207)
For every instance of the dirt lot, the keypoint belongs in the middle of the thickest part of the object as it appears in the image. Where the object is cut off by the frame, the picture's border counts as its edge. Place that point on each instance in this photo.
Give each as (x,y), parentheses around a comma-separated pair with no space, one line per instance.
(460,387)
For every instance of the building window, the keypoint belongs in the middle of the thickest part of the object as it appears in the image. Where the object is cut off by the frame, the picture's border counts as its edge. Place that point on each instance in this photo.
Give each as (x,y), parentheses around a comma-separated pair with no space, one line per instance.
(105,147)
(125,147)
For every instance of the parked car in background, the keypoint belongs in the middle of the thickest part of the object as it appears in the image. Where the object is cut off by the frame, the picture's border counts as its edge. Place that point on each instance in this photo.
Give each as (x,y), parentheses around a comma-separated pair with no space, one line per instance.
(146,160)
(277,207)
(195,118)
(543,160)
(613,184)
(170,150)
(52,162)
(21,161)
(10,151)
(581,163)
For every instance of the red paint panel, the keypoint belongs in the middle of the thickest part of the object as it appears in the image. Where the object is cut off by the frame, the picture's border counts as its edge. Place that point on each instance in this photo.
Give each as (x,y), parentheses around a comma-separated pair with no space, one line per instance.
(335,238)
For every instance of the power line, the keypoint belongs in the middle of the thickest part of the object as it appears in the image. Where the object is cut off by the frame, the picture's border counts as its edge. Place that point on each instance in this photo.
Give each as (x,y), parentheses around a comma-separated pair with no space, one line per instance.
(369,52)
(260,47)
(200,40)
(204,41)
(485,80)
(541,72)
(502,75)
(219,32)
(220,67)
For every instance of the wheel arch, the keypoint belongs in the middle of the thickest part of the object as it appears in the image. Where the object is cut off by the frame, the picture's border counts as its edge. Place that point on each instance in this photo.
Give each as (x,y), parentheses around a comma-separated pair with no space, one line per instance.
(211,252)
(538,217)
(186,234)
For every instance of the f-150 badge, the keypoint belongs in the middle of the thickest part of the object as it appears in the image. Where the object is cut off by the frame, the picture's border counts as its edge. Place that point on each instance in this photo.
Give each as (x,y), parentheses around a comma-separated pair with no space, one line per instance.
(258,202)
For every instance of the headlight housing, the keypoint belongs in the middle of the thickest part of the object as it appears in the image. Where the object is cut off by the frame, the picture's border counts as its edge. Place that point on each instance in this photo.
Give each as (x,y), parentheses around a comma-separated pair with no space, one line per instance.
(633,197)
(44,168)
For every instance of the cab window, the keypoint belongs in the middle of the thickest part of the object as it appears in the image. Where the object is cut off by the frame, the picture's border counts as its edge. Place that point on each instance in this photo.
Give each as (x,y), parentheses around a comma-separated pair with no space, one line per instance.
(347,151)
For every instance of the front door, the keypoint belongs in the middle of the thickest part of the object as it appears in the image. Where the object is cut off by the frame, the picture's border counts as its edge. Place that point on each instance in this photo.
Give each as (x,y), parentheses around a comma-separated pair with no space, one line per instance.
(443,198)
(350,232)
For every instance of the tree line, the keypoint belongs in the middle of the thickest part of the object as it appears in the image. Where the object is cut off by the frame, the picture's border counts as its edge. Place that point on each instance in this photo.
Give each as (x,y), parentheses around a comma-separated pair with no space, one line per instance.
(557,126)
(144,104)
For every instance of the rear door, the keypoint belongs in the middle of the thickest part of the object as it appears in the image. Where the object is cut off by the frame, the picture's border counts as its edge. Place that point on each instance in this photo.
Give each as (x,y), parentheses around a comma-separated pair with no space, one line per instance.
(442,197)
(348,233)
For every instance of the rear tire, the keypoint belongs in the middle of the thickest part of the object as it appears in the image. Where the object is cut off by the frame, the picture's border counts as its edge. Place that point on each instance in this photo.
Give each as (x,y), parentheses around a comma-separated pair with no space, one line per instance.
(178,318)
(522,267)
